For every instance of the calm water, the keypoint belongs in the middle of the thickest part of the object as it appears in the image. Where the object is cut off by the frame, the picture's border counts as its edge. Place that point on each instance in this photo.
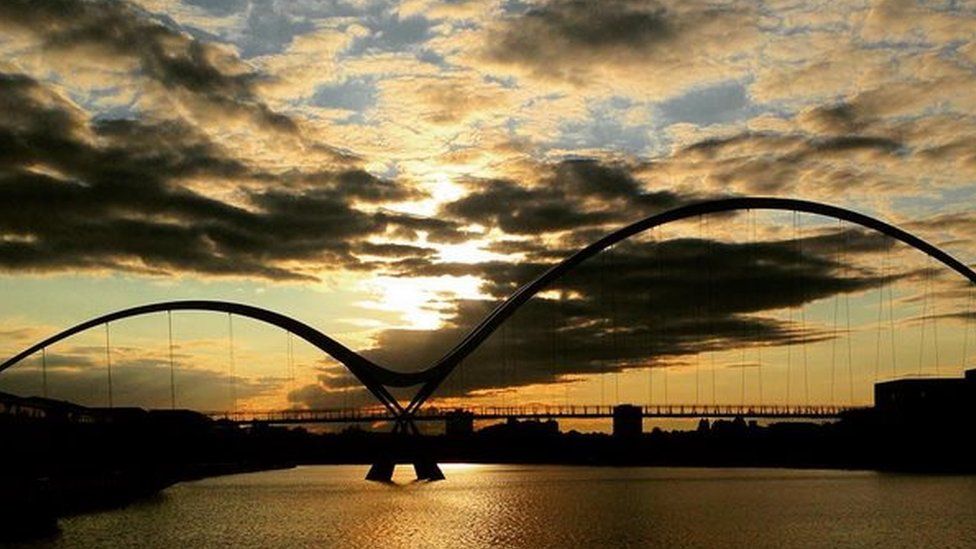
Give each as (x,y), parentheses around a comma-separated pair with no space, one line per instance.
(516,506)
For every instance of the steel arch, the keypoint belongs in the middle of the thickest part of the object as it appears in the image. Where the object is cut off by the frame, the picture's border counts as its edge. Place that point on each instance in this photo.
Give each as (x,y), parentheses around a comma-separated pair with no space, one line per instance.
(443,367)
(373,377)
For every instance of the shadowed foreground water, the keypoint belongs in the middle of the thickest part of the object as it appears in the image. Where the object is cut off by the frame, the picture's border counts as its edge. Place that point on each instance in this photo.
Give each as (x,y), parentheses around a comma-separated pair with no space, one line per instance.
(543,506)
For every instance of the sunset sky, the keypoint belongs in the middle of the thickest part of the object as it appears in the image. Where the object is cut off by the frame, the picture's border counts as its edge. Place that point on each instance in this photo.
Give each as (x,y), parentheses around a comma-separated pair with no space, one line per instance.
(386,172)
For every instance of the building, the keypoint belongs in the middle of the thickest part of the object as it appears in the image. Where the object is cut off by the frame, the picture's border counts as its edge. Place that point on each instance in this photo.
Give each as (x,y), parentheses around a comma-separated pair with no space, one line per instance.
(923,397)
(628,421)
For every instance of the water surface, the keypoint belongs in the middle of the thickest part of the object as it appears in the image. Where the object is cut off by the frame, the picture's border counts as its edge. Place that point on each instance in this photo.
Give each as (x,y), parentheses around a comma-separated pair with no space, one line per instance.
(545,506)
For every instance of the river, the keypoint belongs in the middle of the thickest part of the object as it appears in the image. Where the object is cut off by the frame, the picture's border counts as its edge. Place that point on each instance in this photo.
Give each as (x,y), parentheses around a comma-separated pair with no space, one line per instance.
(544,506)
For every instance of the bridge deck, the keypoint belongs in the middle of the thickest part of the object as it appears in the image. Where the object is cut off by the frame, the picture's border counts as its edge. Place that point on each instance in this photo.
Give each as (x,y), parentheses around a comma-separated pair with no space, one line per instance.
(372,415)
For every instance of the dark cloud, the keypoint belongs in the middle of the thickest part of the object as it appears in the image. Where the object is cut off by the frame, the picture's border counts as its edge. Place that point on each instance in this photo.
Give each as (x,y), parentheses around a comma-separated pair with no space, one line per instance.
(777,163)
(577,194)
(563,27)
(82,194)
(174,59)
(565,39)
(837,118)
(395,250)
(793,148)
(857,143)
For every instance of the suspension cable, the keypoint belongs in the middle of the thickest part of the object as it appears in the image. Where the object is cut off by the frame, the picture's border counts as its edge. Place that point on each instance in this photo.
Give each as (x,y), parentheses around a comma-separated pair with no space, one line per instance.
(108,362)
(966,323)
(614,343)
(172,367)
(514,362)
(698,319)
(44,371)
(803,320)
(891,316)
(711,304)
(564,343)
(232,365)
(834,331)
(925,310)
(759,356)
(651,325)
(935,327)
(552,308)
(603,324)
(742,384)
(291,360)
(877,344)
(661,321)
(847,315)
(506,380)
(789,347)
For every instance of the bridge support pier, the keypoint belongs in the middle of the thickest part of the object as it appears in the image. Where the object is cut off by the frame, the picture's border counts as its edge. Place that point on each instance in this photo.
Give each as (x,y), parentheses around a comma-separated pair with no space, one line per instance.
(381,471)
(406,448)
(427,469)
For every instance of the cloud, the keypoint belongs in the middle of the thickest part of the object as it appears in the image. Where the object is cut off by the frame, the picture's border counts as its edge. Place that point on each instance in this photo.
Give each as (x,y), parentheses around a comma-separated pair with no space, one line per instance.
(388,31)
(574,195)
(74,375)
(118,33)
(69,187)
(578,41)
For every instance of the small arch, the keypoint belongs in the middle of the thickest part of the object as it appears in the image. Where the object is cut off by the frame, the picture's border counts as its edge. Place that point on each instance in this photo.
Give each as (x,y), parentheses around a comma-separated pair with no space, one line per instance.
(373,377)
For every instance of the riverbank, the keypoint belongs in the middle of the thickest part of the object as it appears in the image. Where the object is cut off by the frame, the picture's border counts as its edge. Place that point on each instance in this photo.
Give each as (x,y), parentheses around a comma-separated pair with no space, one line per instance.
(34,504)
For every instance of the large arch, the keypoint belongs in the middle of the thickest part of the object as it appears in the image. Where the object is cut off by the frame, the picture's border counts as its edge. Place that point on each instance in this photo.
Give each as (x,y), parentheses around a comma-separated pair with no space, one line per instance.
(373,377)
(376,377)
(443,367)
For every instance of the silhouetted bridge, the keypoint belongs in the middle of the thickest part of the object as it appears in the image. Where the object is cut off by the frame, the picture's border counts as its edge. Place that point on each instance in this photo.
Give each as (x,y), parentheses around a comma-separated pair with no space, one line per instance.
(375,415)
(380,380)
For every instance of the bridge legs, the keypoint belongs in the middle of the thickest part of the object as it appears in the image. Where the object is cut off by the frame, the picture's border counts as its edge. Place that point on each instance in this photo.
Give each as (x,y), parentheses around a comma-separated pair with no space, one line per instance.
(381,471)
(427,469)
(408,448)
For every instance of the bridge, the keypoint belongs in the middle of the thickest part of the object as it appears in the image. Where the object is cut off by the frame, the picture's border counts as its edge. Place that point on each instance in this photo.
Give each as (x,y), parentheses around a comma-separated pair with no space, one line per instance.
(404,413)
(538,412)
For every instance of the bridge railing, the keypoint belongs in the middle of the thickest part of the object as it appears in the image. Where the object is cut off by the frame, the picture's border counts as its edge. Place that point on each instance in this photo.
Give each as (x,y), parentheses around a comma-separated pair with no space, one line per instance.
(537,411)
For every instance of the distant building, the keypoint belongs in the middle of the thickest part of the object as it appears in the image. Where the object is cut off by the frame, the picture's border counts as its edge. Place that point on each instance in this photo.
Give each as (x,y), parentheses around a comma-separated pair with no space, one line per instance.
(512,427)
(924,397)
(38,408)
(628,421)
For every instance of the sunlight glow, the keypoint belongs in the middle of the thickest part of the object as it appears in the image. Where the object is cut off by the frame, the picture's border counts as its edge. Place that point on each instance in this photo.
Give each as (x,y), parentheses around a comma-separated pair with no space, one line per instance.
(441,189)
(422,302)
